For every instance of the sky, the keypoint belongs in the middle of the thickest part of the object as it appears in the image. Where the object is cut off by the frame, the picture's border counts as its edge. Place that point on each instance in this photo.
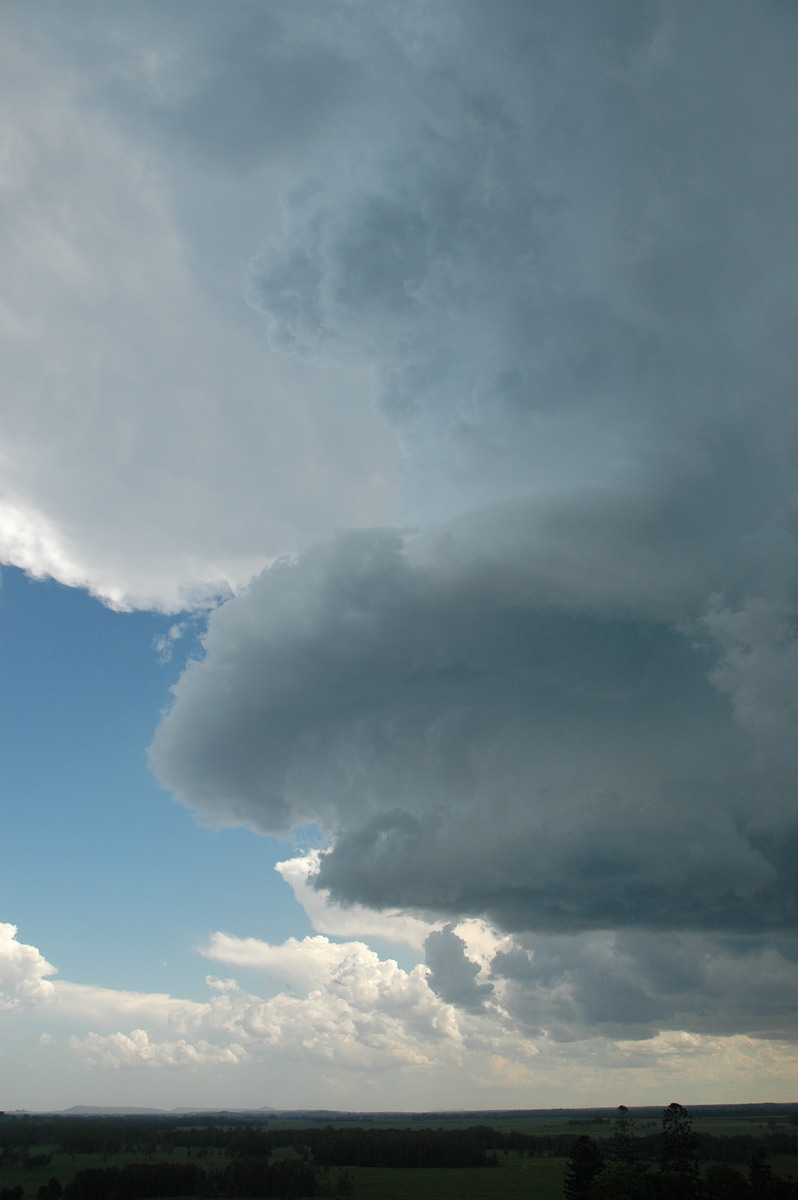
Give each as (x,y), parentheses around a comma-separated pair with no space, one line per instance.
(399,529)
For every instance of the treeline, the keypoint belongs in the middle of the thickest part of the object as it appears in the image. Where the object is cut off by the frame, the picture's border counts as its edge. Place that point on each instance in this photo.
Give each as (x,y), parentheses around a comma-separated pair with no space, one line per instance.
(252,1171)
(281,1177)
(331,1146)
(403,1147)
(149,1137)
(254,1159)
(668,1165)
(736,1149)
(151,1181)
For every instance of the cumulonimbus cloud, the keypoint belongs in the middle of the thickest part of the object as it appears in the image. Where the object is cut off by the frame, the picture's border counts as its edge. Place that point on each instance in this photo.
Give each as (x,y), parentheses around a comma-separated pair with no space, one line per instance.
(478,753)
(563,703)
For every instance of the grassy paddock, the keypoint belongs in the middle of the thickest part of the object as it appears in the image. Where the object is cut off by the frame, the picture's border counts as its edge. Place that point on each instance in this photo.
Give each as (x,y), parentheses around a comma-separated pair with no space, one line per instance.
(785,1165)
(64,1167)
(515,1176)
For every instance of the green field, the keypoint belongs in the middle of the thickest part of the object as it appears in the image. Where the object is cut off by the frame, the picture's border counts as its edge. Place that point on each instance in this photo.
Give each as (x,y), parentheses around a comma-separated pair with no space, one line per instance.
(538,1173)
(515,1176)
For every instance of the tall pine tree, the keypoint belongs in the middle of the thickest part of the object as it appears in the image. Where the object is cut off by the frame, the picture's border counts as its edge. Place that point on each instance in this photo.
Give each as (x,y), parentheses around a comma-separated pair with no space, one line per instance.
(583,1167)
(679,1160)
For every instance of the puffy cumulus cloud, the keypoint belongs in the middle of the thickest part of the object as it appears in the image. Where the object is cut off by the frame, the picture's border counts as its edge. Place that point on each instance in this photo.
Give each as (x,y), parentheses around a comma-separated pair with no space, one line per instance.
(337,1004)
(153,448)
(135,1049)
(376,998)
(23,972)
(482,1054)
(309,963)
(356,1028)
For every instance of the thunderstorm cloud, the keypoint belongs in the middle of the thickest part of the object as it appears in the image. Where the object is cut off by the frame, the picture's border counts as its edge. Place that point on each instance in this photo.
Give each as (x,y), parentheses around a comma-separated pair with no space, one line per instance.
(559,692)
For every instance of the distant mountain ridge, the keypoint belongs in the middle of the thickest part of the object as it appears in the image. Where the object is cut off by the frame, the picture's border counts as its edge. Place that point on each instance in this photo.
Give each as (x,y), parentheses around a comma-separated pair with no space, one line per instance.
(762,1109)
(92,1110)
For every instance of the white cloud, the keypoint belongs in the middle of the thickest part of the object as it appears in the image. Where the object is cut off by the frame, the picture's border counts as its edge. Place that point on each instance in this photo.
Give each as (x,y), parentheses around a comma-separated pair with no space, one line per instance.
(341,1006)
(354,920)
(354,1012)
(348,992)
(117,1050)
(23,972)
(86,1003)
(154,450)
(361,1032)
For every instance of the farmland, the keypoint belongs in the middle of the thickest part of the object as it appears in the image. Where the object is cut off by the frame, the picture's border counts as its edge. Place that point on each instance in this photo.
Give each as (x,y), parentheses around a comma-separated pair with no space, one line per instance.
(393,1156)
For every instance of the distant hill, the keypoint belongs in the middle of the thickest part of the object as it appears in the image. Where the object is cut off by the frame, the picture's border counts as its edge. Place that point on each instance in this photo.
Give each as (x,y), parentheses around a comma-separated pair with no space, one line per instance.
(90,1110)
(760,1111)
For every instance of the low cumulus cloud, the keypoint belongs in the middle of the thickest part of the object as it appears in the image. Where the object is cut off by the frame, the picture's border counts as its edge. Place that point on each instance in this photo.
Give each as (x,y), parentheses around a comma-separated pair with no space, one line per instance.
(563,702)
(117,1050)
(526,1017)
(338,1005)
(24,972)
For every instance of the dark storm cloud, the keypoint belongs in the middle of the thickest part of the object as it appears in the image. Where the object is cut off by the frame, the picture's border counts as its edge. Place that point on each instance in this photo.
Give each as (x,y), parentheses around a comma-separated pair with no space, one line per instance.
(245,85)
(564,241)
(633,985)
(564,253)
(453,976)
(481,742)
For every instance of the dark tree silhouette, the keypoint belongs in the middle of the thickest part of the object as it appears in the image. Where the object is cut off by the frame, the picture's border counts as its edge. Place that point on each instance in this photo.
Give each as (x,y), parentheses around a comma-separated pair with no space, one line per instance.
(722,1182)
(760,1176)
(622,1143)
(623,1181)
(679,1160)
(583,1167)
